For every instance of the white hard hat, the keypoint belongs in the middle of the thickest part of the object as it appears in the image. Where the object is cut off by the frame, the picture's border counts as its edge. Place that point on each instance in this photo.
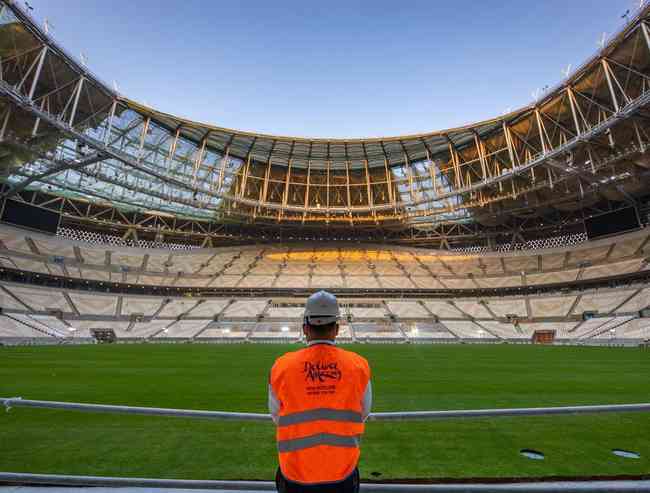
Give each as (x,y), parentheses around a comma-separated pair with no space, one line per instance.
(321,309)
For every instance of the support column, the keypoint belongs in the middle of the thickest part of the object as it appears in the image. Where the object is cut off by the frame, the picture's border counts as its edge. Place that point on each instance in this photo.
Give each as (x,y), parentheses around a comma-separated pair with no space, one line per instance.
(109,129)
(73,113)
(574,114)
(37,75)
(610,85)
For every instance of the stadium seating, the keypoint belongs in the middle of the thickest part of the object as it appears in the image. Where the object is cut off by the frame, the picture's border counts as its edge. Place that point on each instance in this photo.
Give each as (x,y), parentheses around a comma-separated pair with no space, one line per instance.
(31,312)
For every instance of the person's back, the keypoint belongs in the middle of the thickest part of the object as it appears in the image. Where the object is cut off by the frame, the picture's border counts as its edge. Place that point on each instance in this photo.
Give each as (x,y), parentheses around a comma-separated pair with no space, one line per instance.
(319,397)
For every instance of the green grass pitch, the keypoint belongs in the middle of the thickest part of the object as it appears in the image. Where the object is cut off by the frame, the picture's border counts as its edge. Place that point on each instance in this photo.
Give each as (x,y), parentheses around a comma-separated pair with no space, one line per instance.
(234,377)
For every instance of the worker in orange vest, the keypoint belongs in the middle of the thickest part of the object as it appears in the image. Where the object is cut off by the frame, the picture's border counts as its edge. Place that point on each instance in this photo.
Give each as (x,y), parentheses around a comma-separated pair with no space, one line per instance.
(319,398)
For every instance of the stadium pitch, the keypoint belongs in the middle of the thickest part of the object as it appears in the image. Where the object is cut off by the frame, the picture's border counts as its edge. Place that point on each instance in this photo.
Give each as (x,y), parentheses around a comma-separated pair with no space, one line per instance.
(405,377)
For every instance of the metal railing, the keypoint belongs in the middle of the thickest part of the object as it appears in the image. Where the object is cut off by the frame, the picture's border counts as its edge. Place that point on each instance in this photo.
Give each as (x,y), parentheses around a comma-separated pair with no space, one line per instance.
(262,486)
(608,486)
(10,402)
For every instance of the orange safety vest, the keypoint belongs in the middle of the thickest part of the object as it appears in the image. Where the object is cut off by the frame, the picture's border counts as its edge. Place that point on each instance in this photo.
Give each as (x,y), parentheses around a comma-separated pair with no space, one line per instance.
(320,389)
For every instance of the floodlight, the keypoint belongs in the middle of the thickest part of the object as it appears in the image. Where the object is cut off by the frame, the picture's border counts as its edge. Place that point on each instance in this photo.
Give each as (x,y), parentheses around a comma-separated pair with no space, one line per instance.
(285,329)
(72,329)
(225,331)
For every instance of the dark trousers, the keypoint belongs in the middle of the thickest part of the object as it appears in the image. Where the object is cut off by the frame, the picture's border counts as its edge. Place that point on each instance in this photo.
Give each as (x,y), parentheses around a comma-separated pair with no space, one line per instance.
(348,485)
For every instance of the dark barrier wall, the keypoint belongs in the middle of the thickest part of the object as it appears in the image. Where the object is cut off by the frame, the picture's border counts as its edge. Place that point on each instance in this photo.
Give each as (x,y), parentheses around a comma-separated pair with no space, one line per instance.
(30,216)
(612,223)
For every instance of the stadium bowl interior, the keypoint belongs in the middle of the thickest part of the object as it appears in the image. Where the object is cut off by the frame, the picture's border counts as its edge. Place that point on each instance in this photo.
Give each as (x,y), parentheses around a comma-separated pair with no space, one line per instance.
(120,223)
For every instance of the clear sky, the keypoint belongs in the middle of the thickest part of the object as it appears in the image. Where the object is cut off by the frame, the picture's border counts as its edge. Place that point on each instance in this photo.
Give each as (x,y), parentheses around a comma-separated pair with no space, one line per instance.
(332,68)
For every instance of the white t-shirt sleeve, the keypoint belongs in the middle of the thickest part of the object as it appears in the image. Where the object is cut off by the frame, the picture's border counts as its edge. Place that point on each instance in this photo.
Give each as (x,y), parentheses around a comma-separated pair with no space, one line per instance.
(274,405)
(366,402)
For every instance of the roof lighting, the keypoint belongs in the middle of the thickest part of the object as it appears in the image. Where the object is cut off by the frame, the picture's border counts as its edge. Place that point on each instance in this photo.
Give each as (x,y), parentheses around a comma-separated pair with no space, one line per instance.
(225,331)
(285,329)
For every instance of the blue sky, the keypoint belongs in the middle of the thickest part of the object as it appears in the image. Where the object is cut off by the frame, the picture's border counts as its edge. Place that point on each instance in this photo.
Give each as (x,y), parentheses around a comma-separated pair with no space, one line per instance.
(332,68)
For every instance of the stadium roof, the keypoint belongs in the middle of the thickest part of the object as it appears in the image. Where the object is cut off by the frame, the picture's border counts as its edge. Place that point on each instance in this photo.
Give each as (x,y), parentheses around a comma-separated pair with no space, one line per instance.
(66,134)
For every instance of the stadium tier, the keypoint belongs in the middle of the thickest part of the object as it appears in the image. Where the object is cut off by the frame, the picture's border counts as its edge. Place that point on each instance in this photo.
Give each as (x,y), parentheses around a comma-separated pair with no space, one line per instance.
(54,287)
(134,223)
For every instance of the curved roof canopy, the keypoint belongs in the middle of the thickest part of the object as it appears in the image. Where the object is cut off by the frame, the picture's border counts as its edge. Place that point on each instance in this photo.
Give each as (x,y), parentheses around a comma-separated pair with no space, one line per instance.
(66,133)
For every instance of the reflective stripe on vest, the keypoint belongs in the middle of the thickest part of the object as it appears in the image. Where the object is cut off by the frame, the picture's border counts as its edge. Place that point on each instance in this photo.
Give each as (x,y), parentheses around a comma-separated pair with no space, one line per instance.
(322,414)
(316,440)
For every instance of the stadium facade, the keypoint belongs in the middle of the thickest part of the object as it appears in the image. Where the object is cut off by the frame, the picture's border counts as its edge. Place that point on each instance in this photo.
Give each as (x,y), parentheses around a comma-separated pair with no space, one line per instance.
(153,227)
